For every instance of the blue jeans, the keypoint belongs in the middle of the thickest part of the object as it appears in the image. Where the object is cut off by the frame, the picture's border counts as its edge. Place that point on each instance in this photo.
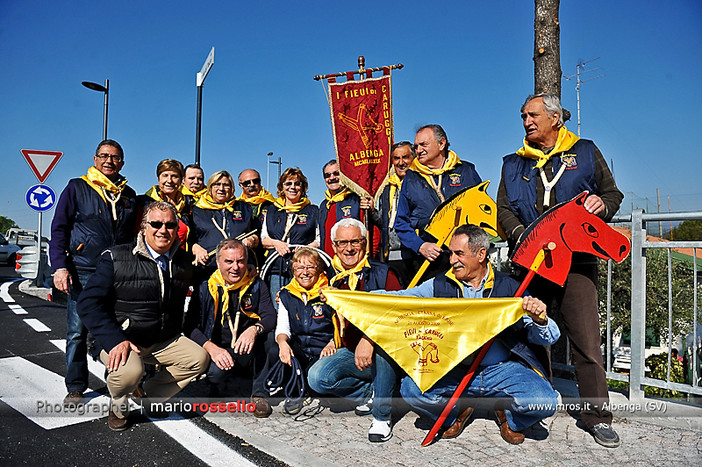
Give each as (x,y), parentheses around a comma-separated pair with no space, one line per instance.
(76,339)
(528,397)
(338,375)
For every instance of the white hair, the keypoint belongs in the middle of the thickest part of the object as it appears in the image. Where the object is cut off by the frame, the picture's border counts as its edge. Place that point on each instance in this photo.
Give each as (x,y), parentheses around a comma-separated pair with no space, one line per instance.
(348,222)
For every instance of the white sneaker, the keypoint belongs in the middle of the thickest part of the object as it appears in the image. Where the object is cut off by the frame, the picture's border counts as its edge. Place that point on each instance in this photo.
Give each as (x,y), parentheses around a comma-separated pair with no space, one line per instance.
(364,408)
(380,431)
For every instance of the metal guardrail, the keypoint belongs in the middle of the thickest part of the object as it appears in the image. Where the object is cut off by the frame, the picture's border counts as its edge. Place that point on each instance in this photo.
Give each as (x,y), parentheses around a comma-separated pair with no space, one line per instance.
(639,246)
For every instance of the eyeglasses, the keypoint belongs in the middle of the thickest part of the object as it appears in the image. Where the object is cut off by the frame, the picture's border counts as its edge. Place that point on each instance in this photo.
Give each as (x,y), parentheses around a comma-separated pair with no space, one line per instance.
(331,174)
(291,183)
(248,183)
(344,243)
(304,268)
(104,156)
(158,224)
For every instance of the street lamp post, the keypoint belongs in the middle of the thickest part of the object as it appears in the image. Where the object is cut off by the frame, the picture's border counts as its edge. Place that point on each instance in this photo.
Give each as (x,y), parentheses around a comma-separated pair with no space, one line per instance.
(278,162)
(104,89)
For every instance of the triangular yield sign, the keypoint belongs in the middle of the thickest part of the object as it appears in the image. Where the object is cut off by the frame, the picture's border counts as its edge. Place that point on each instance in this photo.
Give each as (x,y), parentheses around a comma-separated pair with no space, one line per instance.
(41,162)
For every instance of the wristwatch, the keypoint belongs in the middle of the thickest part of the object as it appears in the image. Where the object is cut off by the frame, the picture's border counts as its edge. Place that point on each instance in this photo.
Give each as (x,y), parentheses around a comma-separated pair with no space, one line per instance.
(259,328)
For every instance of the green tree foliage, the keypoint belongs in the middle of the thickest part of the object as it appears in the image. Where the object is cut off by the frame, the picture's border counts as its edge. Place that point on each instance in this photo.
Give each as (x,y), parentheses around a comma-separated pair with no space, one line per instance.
(659,370)
(656,294)
(688,230)
(6,223)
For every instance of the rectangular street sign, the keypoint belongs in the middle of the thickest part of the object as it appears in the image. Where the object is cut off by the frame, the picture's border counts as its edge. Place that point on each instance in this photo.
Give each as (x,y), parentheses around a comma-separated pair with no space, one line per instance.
(202,74)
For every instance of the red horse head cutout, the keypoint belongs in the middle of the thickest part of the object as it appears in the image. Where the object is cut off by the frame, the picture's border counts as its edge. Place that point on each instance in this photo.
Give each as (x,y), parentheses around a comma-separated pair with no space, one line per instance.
(571,228)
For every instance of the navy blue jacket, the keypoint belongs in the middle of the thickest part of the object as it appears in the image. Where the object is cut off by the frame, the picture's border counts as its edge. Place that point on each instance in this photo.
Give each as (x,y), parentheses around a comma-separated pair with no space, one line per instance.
(418,201)
(200,321)
(520,178)
(204,233)
(303,232)
(311,324)
(83,227)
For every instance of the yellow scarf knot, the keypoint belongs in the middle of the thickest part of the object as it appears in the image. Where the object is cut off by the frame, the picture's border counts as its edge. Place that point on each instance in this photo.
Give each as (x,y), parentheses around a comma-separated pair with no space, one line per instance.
(155,194)
(297,290)
(565,141)
(352,274)
(259,198)
(296,207)
(340,196)
(216,281)
(206,202)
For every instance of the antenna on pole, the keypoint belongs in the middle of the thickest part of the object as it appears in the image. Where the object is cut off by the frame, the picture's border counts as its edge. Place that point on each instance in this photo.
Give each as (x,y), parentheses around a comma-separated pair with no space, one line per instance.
(581,66)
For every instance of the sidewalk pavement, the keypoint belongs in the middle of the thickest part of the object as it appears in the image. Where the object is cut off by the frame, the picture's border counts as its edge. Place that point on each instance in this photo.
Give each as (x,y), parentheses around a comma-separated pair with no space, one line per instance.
(653,432)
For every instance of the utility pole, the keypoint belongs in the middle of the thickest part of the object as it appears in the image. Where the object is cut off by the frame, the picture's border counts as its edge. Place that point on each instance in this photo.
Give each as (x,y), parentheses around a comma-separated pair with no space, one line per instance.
(199,81)
(578,81)
(279,162)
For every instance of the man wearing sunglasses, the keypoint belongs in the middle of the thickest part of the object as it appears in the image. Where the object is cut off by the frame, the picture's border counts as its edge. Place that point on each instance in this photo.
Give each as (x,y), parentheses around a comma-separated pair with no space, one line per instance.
(133,305)
(253,194)
(340,203)
(94,212)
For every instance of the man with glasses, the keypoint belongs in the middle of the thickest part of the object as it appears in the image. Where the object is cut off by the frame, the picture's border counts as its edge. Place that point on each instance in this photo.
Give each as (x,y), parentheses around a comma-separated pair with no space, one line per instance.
(358,370)
(94,212)
(133,304)
(435,175)
(340,203)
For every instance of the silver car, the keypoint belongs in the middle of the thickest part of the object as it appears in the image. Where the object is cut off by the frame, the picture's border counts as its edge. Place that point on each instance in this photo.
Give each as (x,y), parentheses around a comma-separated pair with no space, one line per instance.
(8,251)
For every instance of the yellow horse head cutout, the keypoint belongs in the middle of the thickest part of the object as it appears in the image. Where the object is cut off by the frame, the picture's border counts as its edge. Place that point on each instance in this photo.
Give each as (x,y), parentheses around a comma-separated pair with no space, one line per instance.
(473,205)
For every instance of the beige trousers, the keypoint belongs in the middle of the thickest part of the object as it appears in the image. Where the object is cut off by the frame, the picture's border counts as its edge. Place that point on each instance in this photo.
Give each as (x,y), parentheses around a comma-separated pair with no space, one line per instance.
(180,358)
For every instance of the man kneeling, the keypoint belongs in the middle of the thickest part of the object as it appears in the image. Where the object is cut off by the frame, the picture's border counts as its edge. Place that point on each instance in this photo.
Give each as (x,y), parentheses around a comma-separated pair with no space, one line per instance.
(133,305)
(510,370)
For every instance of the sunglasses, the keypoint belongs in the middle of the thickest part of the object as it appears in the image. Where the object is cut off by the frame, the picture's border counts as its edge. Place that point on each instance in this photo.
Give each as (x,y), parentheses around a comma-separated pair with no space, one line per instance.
(248,183)
(291,183)
(158,224)
(331,174)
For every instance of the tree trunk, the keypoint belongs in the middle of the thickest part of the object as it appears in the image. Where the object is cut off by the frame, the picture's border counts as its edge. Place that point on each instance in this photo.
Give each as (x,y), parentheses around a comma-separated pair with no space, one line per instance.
(547,47)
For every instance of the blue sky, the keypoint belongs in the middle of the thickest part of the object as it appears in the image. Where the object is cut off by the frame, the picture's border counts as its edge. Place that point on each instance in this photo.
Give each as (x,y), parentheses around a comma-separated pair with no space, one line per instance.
(468,67)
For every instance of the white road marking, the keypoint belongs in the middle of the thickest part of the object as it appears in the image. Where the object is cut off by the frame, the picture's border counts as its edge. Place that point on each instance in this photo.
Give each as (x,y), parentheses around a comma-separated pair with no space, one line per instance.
(5,291)
(37,325)
(183,431)
(18,310)
(37,393)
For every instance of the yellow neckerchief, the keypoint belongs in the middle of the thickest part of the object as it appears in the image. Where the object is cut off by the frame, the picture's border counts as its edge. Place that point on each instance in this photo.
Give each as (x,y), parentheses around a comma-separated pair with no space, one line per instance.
(352,273)
(565,141)
(155,194)
(100,183)
(489,282)
(451,161)
(259,198)
(206,202)
(297,290)
(428,174)
(186,191)
(395,184)
(216,281)
(340,196)
(297,207)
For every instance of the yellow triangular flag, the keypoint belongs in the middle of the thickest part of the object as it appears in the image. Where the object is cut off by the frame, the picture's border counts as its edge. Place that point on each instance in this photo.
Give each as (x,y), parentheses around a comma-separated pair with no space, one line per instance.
(427,337)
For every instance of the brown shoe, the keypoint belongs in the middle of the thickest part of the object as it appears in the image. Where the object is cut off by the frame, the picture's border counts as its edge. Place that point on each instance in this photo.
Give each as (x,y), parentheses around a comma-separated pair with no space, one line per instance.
(117,424)
(73,398)
(263,408)
(512,437)
(463,420)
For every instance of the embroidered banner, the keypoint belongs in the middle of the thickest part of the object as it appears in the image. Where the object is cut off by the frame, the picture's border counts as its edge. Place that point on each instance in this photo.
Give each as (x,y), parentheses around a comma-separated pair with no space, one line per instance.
(427,337)
(361,114)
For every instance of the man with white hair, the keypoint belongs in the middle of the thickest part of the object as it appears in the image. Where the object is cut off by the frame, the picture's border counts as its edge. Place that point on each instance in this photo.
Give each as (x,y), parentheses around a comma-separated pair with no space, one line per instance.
(360,370)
